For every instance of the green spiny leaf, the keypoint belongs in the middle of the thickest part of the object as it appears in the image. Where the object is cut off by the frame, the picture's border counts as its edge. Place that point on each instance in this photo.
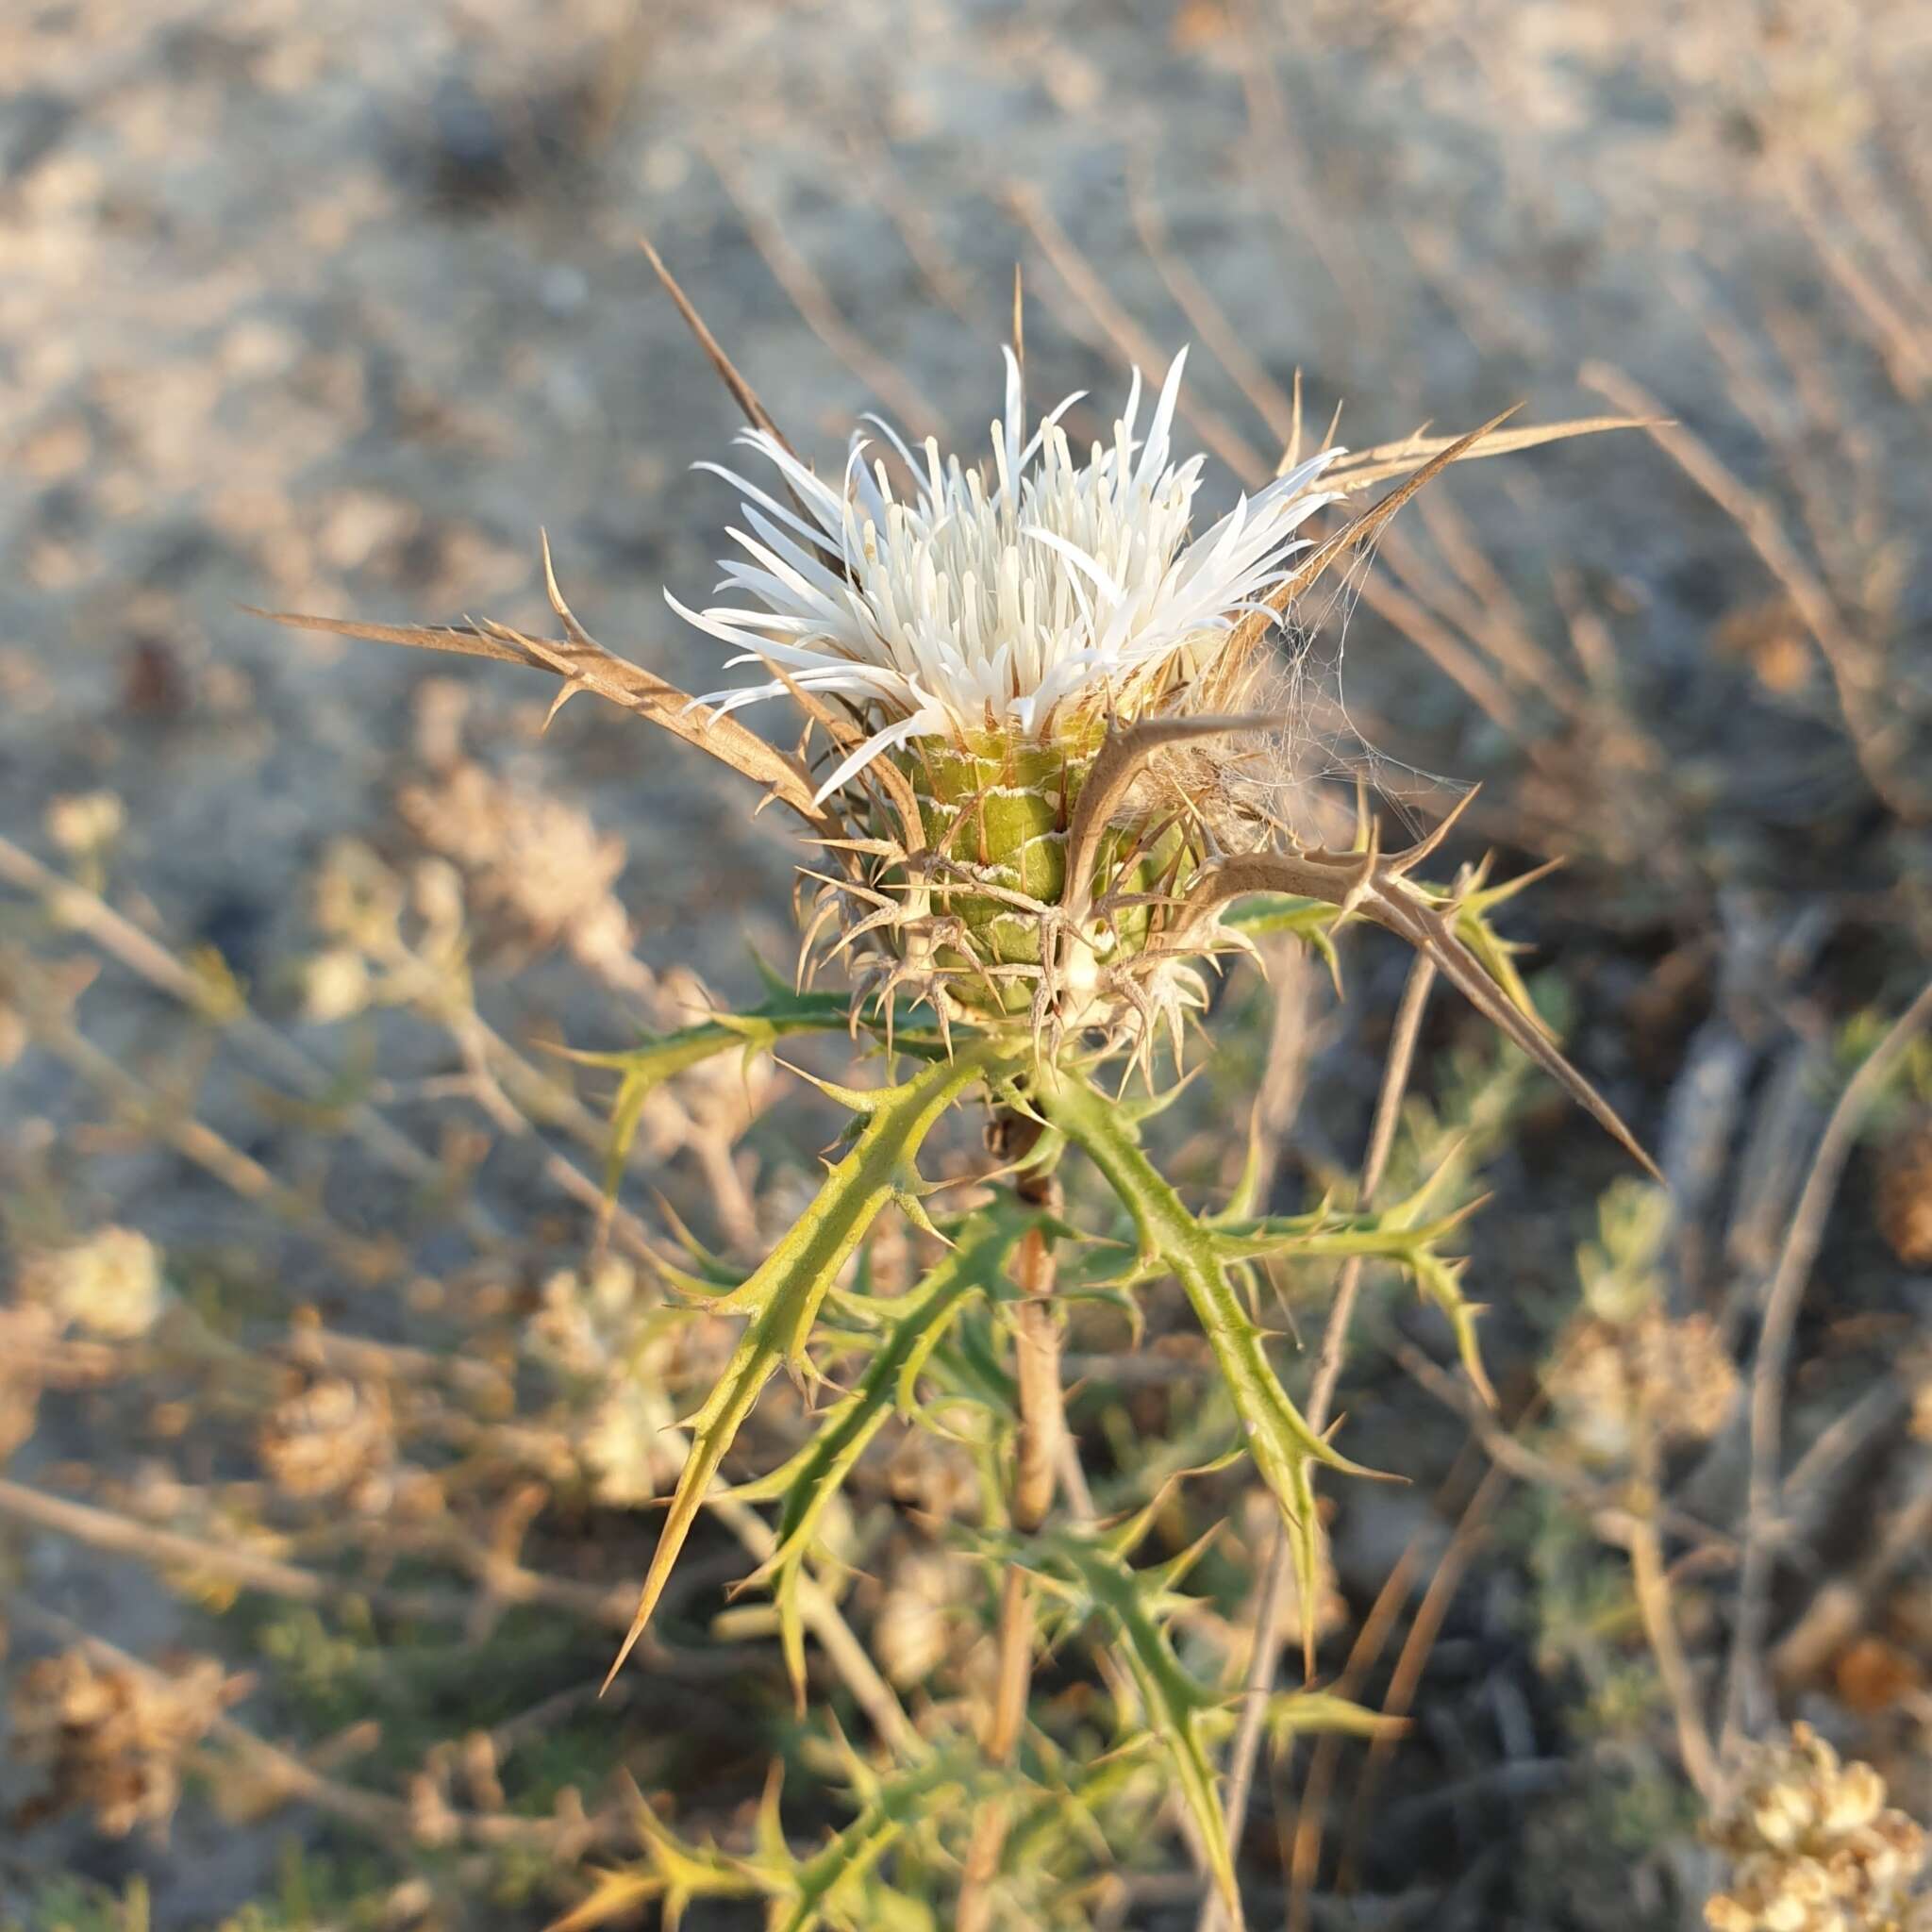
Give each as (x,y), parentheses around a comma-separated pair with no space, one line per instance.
(1279,1437)
(1400,1233)
(919,1320)
(1441,1282)
(1285,1448)
(1295,1713)
(673,1872)
(644,1068)
(1474,901)
(891,1806)
(1174,1703)
(783,1294)
(1067,1807)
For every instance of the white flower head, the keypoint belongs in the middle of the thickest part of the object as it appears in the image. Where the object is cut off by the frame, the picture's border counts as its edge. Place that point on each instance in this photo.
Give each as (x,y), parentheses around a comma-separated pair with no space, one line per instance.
(1018,605)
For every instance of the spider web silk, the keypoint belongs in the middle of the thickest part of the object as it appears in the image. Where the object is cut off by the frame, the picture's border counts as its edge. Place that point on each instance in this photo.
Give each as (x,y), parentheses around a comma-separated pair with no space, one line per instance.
(1309,768)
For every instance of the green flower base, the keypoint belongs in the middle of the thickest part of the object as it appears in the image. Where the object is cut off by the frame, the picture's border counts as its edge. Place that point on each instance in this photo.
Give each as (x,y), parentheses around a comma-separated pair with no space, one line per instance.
(1001,811)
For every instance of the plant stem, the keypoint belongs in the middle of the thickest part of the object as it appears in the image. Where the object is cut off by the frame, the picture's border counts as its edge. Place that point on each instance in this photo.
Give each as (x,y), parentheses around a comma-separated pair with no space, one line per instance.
(1037,1359)
(1036,1457)
(1651,1577)
(1010,1694)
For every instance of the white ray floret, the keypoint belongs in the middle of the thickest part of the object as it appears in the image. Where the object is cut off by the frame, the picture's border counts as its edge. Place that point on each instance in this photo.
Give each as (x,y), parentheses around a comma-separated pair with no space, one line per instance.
(1009,605)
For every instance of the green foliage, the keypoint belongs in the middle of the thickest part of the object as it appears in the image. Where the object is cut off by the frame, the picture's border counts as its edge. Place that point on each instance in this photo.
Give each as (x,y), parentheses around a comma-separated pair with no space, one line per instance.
(1910,1082)
(1481,1087)
(829,1886)
(934,1343)
(1198,1254)
(833,1887)
(327,1671)
(902,1334)
(783,1295)
(316,1894)
(1620,1269)
(334,1669)
(73,1905)
(1406,1233)
(658,1057)
(1586,1619)
(1134,1606)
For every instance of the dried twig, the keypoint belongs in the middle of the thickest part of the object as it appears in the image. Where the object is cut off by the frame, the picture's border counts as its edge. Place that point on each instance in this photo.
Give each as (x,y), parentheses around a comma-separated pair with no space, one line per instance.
(1855,670)
(813,301)
(1651,1577)
(1748,1699)
(196,1141)
(73,907)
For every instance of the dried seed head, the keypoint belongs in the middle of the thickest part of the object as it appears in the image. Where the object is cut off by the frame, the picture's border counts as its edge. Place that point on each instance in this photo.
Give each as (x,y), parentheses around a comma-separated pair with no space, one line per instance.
(1815,1848)
(85,822)
(934,1477)
(588,1321)
(27,1333)
(629,1444)
(114,1738)
(336,984)
(1611,1381)
(109,1284)
(1683,1375)
(919,1625)
(534,861)
(330,1437)
(626,1358)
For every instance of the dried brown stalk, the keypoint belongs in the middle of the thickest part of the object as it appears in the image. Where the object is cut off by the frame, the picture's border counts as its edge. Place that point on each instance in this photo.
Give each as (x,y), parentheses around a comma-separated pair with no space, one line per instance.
(1746,1706)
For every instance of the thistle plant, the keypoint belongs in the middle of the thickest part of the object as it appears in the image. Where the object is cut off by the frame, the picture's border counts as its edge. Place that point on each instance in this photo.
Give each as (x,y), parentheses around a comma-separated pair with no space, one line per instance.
(1037,782)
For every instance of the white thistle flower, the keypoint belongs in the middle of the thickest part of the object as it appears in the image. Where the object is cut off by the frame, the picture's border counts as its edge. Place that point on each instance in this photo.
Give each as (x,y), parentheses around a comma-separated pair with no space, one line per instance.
(1019,607)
